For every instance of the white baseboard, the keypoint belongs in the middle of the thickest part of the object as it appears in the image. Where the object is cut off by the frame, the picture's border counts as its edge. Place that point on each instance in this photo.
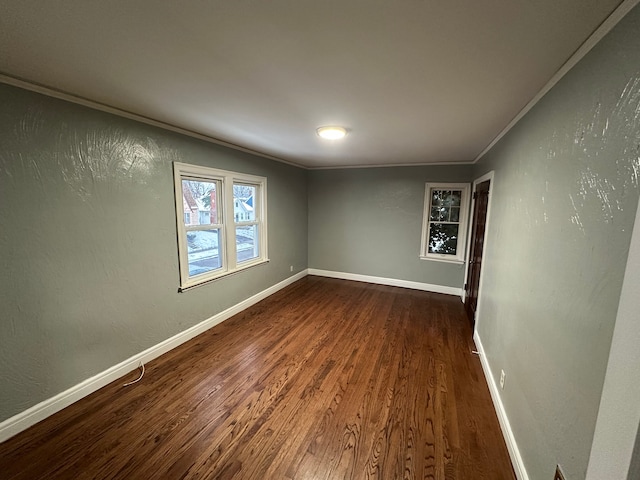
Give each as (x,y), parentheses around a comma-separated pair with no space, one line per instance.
(42,410)
(512,446)
(387,281)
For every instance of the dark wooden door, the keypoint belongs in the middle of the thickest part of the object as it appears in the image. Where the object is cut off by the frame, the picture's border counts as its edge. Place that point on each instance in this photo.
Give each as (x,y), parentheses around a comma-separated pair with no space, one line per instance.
(481,197)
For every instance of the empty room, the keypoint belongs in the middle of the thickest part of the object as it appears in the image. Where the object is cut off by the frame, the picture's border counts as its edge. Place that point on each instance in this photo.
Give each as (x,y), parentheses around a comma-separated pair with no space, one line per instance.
(338,240)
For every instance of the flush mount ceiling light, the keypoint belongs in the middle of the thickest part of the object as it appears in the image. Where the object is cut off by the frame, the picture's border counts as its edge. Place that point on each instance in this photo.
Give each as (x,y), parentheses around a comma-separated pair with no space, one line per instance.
(331,132)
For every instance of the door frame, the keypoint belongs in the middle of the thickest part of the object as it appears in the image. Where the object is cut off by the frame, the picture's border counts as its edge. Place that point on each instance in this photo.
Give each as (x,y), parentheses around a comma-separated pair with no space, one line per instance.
(487,176)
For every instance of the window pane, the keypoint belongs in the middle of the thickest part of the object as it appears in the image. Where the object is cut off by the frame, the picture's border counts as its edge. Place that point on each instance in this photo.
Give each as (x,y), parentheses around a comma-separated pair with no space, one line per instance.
(203,251)
(443,238)
(452,197)
(247,242)
(439,214)
(436,197)
(244,197)
(200,201)
(455,214)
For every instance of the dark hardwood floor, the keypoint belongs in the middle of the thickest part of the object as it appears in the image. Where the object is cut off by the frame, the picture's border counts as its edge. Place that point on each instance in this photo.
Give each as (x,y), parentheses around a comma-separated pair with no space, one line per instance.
(326,379)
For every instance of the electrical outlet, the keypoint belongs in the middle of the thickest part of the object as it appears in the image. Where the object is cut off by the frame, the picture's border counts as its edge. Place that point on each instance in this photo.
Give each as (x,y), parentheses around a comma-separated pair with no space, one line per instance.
(502,375)
(559,475)
(291,268)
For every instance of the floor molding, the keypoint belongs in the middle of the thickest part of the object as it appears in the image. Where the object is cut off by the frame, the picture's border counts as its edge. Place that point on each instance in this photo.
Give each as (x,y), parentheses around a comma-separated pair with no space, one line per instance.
(427,287)
(512,446)
(42,410)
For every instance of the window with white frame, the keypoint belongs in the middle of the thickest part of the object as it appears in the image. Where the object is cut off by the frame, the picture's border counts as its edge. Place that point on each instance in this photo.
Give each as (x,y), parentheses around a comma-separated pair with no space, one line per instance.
(226,229)
(444,224)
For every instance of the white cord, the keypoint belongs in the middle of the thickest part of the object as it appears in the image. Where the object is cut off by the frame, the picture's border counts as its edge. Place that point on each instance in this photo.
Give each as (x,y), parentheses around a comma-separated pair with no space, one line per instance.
(137,379)
(475,352)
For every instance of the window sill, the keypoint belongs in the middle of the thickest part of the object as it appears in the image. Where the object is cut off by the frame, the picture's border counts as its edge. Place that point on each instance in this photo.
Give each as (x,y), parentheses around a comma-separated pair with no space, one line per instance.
(444,260)
(198,283)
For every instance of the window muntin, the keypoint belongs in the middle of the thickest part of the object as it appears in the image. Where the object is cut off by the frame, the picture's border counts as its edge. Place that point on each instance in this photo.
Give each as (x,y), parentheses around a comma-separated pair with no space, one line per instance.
(445,221)
(206,228)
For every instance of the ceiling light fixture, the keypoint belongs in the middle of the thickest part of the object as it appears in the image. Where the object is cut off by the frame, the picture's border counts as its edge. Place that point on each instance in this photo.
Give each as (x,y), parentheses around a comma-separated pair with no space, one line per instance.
(331,132)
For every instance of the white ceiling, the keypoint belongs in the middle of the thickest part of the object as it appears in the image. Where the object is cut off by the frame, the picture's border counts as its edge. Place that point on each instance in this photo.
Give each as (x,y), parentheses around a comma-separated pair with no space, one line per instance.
(414,81)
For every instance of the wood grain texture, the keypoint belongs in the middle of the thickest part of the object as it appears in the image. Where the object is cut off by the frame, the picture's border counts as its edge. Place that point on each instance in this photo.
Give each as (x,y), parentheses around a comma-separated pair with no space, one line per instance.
(326,379)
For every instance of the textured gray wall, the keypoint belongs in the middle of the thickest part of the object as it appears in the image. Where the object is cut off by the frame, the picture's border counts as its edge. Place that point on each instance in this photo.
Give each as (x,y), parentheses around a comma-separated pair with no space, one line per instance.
(369,222)
(89,263)
(564,202)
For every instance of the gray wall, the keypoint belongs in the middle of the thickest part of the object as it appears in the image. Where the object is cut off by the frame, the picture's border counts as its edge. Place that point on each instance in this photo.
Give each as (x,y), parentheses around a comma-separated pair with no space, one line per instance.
(634,468)
(563,207)
(369,222)
(89,263)
(616,432)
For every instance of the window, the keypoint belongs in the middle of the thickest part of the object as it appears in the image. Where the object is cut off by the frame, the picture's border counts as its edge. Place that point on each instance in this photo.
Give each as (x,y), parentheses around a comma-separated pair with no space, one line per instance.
(444,224)
(215,242)
(205,217)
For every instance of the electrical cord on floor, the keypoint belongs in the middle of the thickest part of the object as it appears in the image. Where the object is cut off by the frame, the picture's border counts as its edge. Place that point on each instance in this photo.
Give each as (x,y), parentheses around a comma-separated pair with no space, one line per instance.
(137,379)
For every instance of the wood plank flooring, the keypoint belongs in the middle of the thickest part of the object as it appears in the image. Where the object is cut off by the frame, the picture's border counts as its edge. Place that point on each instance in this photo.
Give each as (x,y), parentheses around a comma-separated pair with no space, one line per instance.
(326,379)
